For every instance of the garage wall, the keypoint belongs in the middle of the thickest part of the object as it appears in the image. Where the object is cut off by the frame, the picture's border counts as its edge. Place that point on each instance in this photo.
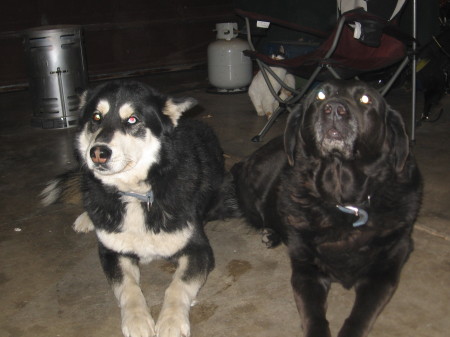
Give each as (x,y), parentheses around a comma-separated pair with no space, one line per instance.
(121,37)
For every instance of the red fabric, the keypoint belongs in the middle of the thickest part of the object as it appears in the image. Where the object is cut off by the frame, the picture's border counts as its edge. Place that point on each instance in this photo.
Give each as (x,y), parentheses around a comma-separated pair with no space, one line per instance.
(351,56)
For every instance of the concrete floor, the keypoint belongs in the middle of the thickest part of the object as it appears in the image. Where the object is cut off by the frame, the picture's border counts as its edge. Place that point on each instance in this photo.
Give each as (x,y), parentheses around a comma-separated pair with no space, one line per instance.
(51,283)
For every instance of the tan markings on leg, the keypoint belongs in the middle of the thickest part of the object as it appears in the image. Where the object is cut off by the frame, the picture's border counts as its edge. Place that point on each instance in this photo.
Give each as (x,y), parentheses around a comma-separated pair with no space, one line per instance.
(136,319)
(174,317)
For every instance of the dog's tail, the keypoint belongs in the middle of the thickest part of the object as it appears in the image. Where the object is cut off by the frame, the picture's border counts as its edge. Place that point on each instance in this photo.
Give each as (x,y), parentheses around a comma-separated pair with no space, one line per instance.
(65,188)
(225,205)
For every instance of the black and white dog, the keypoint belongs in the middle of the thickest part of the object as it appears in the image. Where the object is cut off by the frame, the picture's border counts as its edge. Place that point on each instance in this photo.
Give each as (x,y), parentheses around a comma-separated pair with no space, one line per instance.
(149,182)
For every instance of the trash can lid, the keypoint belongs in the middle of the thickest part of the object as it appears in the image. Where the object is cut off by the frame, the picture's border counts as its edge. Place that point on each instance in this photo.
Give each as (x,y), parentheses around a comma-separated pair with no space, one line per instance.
(52,29)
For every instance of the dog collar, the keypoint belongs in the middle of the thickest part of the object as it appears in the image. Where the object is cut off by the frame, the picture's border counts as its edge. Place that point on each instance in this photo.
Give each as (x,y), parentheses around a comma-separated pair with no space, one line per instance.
(147,197)
(359,212)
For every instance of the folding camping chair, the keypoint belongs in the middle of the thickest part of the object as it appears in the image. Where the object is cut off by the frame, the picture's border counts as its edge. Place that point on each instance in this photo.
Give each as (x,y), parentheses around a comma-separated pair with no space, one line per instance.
(360,43)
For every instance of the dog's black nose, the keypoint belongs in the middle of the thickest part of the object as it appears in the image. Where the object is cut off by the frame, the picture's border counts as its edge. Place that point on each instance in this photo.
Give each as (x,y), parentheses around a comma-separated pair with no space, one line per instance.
(100,154)
(335,108)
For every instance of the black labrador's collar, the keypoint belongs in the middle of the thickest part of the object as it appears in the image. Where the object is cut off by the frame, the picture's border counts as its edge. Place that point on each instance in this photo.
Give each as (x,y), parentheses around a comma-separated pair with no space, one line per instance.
(362,215)
(147,197)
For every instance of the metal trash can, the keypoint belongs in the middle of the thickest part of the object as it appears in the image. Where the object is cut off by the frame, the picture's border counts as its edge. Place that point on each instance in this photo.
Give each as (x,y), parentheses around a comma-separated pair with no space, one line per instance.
(57,74)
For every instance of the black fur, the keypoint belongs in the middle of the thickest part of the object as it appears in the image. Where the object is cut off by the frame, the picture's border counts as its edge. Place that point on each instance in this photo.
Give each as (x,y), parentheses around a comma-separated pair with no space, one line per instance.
(186,177)
(291,188)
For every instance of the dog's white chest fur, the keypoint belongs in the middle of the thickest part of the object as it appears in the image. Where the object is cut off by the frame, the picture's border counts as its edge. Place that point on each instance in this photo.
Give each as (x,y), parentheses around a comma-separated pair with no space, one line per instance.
(134,237)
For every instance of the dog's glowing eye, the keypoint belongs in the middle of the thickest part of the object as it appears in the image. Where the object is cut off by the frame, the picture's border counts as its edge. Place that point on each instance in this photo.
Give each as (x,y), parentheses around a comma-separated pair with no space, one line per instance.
(365,99)
(97,117)
(132,120)
(321,95)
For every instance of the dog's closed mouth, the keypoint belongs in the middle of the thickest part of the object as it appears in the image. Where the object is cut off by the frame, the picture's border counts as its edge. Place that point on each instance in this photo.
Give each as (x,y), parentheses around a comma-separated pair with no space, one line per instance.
(108,169)
(101,167)
(333,141)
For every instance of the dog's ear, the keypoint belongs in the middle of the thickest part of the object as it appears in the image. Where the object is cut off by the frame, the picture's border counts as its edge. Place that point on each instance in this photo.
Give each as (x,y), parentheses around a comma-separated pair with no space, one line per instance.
(175,107)
(291,131)
(83,99)
(397,138)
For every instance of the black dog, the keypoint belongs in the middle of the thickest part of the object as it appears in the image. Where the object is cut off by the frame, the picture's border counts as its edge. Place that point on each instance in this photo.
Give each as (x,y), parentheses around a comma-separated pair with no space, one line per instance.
(342,194)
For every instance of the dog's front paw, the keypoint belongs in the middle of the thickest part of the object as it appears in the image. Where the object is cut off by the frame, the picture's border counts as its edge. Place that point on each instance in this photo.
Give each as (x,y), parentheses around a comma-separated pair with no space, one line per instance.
(270,238)
(137,323)
(83,224)
(173,325)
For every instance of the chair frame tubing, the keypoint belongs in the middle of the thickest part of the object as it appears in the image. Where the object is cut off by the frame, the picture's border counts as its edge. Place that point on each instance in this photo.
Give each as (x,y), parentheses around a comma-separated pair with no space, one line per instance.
(325,64)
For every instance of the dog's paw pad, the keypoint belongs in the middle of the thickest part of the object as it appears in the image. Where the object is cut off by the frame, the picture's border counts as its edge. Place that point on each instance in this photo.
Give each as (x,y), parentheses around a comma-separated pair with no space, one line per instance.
(173,326)
(270,238)
(83,224)
(138,324)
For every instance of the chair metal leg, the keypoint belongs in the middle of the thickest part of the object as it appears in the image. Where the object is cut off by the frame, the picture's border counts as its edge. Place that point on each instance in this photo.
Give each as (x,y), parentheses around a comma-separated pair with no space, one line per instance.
(413,74)
(283,107)
(272,119)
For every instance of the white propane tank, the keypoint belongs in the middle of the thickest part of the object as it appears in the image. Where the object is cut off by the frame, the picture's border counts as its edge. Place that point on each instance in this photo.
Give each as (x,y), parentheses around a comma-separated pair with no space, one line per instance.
(229,70)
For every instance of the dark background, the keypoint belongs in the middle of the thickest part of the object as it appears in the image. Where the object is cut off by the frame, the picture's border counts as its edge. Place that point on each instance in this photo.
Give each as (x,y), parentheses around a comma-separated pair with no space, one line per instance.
(135,37)
(121,37)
